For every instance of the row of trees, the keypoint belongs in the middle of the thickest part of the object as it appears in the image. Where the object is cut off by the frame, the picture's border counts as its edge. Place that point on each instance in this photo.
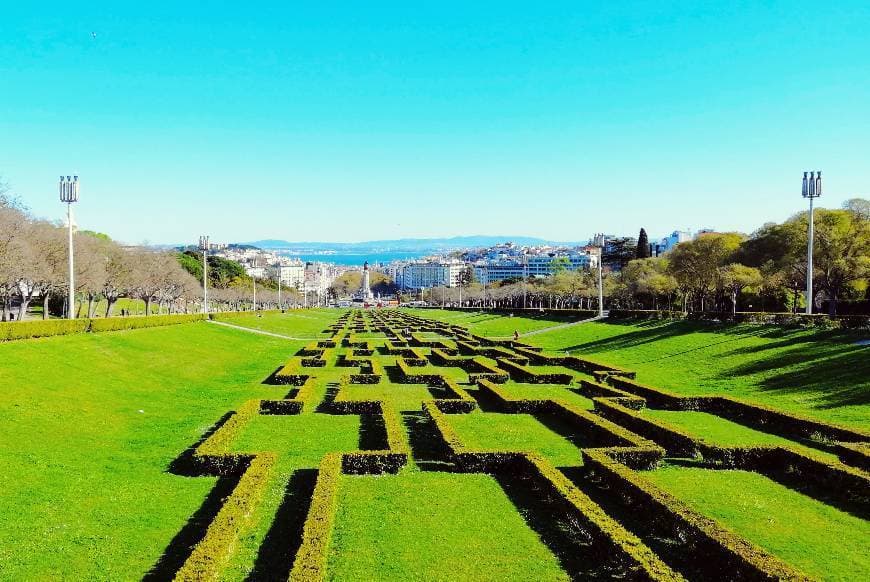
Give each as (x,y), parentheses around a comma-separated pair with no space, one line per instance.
(34,265)
(34,269)
(765,271)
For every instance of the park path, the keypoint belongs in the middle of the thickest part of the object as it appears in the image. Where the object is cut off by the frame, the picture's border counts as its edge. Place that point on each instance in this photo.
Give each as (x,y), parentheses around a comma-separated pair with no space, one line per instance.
(261,332)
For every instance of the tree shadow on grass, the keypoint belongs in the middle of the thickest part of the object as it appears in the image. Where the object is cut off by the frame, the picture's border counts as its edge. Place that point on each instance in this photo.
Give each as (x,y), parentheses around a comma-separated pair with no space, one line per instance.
(835,381)
(278,550)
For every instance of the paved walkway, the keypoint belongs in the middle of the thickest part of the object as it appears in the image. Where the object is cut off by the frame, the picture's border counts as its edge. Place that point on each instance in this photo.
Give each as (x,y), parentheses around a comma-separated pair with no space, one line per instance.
(261,332)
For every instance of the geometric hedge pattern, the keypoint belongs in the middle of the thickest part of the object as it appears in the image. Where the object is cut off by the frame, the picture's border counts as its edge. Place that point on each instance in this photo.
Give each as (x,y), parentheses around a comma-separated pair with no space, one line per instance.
(371,361)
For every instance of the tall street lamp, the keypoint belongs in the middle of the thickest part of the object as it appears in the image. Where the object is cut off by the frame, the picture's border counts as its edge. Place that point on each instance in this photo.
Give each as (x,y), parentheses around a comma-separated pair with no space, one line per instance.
(203,246)
(69,193)
(811,188)
(600,282)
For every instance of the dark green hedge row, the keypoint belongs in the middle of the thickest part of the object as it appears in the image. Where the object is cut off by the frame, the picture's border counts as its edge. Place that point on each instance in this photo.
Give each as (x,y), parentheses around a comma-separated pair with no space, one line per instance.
(529,375)
(855,454)
(44,328)
(610,542)
(310,562)
(754,415)
(819,320)
(626,399)
(713,551)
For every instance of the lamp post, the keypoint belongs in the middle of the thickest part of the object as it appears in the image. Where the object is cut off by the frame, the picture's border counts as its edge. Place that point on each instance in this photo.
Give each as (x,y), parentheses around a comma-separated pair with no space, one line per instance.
(600,282)
(279,286)
(525,277)
(254,280)
(811,188)
(69,193)
(203,246)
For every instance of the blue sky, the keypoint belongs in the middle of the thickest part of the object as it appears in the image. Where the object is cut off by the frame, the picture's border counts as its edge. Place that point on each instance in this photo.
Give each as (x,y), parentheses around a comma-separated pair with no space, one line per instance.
(387,120)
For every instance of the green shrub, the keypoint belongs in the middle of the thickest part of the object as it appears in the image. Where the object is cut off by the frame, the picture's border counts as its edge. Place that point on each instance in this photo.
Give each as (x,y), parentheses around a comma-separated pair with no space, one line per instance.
(15,330)
(212,552)
(310,562)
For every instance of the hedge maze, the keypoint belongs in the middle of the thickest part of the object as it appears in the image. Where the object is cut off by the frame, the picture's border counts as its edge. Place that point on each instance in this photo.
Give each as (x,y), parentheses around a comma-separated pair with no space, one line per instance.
(428,393)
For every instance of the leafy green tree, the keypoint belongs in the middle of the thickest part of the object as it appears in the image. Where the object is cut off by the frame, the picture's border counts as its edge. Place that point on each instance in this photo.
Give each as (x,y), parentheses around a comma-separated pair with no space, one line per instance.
(694,265)
(735,277)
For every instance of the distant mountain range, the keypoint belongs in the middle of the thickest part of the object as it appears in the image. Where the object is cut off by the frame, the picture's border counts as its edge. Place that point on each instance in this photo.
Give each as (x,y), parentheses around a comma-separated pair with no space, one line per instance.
(404,244)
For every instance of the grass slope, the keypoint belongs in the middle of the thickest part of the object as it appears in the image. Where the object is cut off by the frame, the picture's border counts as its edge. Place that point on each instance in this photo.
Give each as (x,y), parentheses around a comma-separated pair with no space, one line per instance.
(821,540)
(823,374)
(90,423)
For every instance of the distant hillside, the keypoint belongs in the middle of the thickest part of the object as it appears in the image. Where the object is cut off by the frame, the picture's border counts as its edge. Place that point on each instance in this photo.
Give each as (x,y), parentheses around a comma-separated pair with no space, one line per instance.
(405,244)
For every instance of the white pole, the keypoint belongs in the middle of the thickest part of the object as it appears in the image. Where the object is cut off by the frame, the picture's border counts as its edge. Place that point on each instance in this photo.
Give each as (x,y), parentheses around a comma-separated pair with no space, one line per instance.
(600,285)
(71,301)
(279,286)
(810,263)
(205,280)
(255,293)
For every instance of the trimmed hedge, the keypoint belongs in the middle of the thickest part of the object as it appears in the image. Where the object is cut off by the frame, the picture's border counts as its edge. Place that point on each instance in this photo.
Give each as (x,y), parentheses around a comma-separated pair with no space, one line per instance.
(16,330)
(212,552)
(310,562)
(819,320)
(714,550)
(528,375)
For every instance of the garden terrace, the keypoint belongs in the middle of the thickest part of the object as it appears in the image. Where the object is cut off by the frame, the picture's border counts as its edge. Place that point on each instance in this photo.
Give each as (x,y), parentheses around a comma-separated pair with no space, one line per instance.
(492,459)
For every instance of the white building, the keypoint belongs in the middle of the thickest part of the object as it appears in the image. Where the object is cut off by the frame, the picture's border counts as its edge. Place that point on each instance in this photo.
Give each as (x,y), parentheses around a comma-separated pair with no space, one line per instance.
(431,274)
(542,265)
(291,273)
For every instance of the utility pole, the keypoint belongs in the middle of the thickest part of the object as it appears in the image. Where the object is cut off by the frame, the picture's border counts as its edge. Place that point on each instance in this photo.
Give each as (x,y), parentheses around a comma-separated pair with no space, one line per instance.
(600,282)
(812,188)
(69,193)
(255,292)
(525,277)
(279,285)
(203,246)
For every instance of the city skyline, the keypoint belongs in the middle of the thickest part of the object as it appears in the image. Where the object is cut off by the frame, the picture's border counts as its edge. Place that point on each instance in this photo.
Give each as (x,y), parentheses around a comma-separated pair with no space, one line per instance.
(294,122)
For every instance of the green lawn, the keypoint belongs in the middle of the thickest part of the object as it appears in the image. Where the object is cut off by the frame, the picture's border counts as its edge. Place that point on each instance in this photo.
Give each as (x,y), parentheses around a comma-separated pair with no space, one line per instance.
(822,374)
(403,396)
(514,432)
(723,432)
(545,391)
(824,542)
(449,526)
(493,324)
(300,441)
(301,323)
(90,423)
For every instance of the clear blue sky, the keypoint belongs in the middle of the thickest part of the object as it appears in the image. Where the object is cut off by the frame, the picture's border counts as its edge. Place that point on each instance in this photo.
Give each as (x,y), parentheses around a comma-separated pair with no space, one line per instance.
(372,120)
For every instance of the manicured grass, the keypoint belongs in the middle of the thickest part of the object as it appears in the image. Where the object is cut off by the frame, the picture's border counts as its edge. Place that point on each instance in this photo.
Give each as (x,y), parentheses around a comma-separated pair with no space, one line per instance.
(723,432)
(822,374)
(301,323)
(544,392)
(300,441)
(438,526)
(514,432)
(494,324)
(90,424)
(821,540)
(403,396)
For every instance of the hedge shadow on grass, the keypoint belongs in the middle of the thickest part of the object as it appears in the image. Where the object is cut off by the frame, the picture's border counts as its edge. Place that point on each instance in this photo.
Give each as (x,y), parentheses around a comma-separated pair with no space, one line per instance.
(193,532)
(657,534)
(278,550)
(545,515)
(427,448)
